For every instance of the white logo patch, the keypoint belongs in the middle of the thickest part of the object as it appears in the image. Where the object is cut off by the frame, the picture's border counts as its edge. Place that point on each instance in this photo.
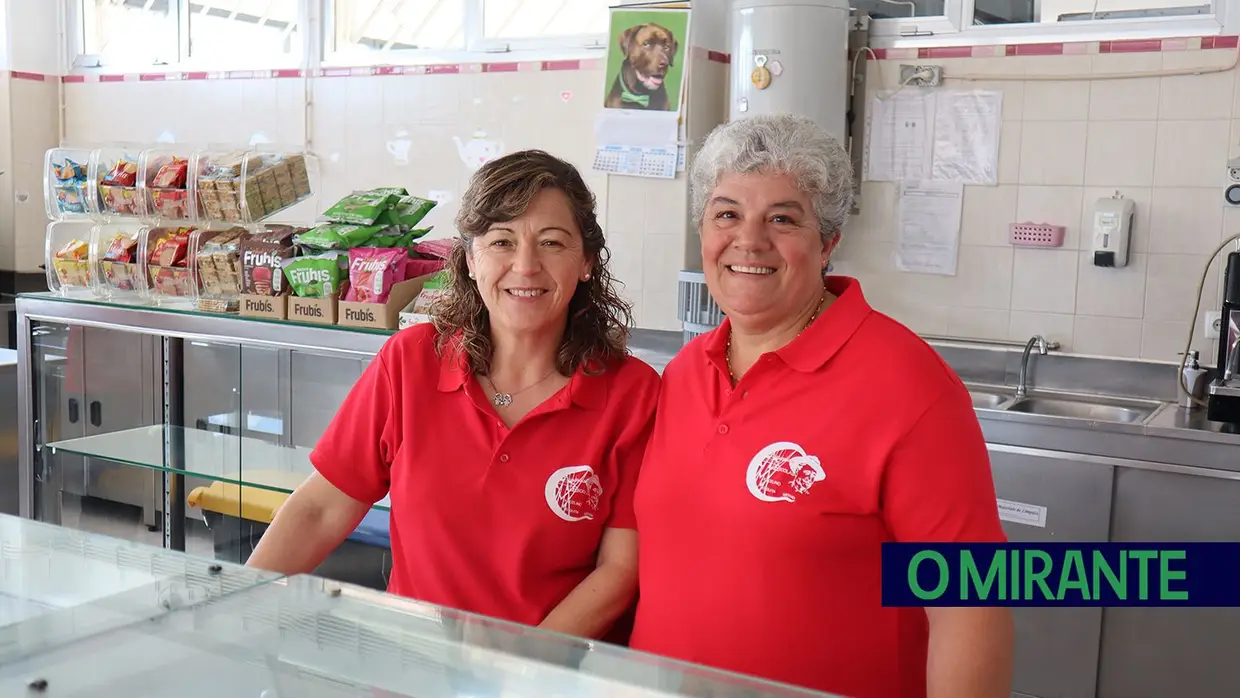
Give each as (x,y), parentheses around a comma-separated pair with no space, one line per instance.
(573,493)
(781,471)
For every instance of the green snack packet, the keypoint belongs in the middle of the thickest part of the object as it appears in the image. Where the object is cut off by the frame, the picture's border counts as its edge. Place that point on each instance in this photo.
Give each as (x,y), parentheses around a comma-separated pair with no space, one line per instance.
(361,207)
(316,276)
(408,211)
(337,236)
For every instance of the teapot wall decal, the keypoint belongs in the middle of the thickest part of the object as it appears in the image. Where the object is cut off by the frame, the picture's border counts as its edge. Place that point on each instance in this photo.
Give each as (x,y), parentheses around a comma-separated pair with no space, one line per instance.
(478,151)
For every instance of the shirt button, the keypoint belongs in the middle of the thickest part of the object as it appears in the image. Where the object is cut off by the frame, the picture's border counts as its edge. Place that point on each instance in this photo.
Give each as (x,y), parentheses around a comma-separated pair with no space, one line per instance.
(723,428)
(503,458)
(745,395)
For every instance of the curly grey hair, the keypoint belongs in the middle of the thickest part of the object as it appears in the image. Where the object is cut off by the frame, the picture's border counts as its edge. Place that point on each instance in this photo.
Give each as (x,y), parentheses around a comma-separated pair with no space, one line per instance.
(784,144)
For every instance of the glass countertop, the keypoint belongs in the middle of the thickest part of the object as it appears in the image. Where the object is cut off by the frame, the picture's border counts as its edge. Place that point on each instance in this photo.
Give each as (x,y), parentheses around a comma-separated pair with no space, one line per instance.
(236,460)
(58,584)
(187,309)
(305,637)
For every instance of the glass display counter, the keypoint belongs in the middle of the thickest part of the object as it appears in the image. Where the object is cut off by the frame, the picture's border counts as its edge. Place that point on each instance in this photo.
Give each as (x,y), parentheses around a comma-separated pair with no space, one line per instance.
(58,584)
(182,428)
(308,637)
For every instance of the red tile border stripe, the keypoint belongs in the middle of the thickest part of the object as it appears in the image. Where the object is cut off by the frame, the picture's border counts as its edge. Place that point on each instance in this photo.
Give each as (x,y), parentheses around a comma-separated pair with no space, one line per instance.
(932,52)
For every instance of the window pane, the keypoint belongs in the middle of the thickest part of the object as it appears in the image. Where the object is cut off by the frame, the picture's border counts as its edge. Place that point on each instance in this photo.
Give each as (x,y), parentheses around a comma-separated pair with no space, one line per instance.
(1052,11)
(528,19)
(393,25)
(130,31)
(243,30)
(894,9)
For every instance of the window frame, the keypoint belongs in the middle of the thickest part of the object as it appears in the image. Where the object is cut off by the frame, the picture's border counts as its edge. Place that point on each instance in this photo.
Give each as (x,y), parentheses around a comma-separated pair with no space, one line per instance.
(957,29)
(75,47)
(478,48)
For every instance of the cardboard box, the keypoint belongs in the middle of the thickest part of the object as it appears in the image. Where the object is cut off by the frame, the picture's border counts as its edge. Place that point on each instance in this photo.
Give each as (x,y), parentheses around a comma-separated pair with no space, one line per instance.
(318,311)
(267,307)
(408,319)
(382,316)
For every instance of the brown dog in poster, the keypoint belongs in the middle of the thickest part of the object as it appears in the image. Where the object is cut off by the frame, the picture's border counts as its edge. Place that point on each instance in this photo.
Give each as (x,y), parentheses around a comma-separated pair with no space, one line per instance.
(649,52)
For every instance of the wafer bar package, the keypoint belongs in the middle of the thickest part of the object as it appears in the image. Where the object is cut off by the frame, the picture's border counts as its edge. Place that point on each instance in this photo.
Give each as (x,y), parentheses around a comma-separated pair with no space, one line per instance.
(262,262)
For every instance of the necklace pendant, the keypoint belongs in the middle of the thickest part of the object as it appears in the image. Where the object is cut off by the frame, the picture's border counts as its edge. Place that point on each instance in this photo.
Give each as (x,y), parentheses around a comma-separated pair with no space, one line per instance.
(502,399)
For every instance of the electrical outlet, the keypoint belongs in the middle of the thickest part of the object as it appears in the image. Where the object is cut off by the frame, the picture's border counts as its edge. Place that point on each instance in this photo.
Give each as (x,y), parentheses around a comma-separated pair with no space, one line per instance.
(1213,325)
(913,75)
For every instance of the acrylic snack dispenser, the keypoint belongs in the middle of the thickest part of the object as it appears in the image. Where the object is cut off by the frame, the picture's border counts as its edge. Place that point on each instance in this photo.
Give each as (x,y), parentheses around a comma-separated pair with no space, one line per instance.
(65,186)
(113,180)
(68,259)
(244,187)
(163,183)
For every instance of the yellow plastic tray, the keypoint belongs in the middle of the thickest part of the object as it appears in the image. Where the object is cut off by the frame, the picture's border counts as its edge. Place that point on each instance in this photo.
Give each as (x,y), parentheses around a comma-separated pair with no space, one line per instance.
(248,502)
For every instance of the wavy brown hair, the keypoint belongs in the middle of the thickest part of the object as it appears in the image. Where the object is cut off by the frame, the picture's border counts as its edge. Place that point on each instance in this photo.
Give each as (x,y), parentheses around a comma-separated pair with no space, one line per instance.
(597,327)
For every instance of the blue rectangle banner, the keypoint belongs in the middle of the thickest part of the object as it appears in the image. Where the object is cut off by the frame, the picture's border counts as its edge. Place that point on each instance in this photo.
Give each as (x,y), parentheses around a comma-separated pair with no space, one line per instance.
(1061,574)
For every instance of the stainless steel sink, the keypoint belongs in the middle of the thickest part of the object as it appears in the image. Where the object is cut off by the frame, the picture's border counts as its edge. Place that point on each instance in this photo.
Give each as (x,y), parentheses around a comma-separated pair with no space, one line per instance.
(1100,410)
(987,401)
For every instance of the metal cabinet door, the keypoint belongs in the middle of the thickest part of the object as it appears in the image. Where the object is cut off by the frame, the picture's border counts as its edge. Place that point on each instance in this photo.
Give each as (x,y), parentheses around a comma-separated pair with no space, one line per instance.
(1056,648)
(1157,652)
(119,368)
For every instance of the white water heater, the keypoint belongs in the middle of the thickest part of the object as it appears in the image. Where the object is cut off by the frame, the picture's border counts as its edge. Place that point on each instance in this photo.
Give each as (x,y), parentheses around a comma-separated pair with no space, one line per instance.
(791,56)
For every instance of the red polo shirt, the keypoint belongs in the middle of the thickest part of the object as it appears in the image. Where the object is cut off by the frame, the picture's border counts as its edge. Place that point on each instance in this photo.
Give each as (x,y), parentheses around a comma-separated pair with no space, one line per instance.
(497,521)
(761,509)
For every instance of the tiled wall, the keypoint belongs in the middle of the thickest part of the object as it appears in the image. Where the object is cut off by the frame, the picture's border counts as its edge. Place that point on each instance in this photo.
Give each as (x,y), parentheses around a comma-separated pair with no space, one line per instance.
(1069,137)
(1071,134)
(384,127)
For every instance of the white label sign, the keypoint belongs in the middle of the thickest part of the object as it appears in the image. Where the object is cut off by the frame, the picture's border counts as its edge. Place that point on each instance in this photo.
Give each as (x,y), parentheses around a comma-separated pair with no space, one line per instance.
(1021,513)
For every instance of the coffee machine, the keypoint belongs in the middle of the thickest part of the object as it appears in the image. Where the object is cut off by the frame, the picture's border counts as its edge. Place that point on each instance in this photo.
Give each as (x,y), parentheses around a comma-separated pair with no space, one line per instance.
(1223,401)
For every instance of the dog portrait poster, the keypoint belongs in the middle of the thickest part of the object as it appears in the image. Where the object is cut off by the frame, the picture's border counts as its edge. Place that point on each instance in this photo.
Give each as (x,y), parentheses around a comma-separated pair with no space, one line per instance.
(646,59)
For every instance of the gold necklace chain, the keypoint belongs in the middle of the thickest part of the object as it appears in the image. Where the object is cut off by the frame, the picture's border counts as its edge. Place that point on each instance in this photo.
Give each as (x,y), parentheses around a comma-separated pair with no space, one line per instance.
(727,350)
(502,399)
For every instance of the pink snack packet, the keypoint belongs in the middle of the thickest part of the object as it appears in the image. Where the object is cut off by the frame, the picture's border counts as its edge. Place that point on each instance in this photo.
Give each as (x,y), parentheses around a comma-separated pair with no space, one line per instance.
(373,271)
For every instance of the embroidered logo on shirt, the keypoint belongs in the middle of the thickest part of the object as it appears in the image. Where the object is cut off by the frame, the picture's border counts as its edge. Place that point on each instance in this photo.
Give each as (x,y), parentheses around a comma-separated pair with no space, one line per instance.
(782,471)
(573,493)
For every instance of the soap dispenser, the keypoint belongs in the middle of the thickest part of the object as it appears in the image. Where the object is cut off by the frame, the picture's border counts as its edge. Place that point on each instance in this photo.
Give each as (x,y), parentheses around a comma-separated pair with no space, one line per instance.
(1193,381)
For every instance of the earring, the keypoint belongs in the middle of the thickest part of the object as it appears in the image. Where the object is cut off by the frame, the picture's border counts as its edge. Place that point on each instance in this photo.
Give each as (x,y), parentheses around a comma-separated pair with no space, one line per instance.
(587,277)
(471,275)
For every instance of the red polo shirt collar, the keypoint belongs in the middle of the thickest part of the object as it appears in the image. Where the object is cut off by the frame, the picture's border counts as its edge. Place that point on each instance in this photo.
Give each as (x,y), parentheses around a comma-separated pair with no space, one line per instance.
(814,347)
(585,391)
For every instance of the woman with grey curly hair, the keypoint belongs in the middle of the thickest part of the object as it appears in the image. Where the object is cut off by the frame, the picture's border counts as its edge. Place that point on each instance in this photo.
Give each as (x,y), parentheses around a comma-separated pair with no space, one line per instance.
(508,434)
(794,440)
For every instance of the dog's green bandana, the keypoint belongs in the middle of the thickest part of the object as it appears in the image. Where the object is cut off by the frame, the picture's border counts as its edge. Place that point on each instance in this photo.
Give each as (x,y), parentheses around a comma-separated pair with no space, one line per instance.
(628,95)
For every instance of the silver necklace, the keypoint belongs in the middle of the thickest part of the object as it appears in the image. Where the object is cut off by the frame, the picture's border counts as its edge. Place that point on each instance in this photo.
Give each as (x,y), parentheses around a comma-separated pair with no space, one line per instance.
(502,399)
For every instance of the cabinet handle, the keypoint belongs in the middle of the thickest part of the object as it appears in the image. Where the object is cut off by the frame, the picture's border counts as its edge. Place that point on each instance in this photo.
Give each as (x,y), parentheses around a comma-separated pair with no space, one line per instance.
(96,413)
(74,410)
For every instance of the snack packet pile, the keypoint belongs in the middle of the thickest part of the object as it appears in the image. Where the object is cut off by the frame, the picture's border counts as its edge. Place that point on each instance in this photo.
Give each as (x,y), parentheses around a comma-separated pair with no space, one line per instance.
(70,186)
(118,188)
(169,195)
(71,264)
(384,217)
(120,262)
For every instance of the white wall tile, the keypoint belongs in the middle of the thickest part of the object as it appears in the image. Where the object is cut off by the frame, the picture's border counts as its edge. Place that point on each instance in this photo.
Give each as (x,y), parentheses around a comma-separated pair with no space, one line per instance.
(1111,291)
(1135,99)
(1056,101)
(1191,153)
(1172,282)
(1193,97)
(1055,327)
(1044,280)
(1106,336)
(1185,221)
(1053,152)
(988,211)
(1120,153)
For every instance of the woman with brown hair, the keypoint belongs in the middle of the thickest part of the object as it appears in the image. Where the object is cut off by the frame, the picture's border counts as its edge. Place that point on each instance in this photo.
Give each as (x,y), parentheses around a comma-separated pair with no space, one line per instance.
(508,434)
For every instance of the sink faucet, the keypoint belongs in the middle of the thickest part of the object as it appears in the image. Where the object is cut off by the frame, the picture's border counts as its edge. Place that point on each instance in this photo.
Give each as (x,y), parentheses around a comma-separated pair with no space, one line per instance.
(1043,346)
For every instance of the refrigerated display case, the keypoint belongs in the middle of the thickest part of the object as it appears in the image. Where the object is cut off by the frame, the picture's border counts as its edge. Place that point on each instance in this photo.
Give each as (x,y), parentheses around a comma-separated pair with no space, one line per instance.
(58,584)
(307,637)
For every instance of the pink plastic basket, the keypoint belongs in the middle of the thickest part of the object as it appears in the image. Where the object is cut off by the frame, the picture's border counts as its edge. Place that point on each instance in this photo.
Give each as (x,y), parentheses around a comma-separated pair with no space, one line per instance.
(1035,235)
